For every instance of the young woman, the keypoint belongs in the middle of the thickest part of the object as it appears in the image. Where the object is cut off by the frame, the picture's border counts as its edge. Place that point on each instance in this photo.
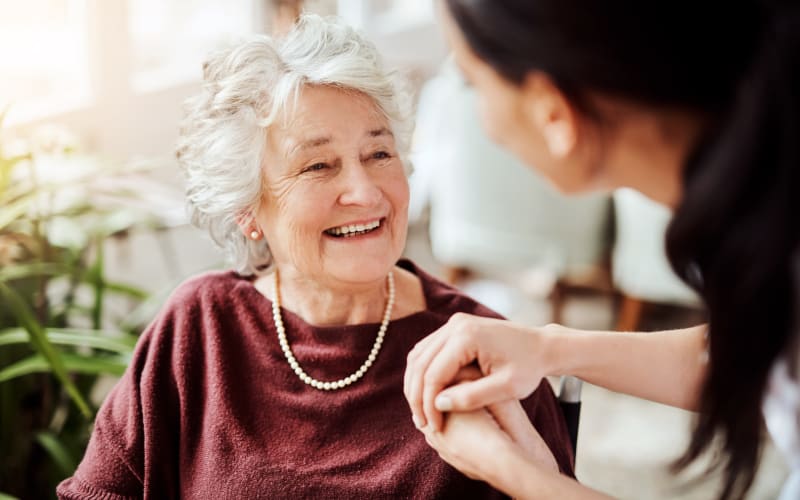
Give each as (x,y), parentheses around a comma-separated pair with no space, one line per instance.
(695,105)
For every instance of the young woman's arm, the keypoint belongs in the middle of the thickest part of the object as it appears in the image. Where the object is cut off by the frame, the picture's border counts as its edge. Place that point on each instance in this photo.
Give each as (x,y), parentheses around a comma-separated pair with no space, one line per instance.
(667,367)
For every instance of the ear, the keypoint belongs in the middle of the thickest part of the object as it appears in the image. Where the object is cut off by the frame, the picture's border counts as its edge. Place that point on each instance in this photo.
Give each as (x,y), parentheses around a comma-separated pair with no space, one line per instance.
(550,112)
(248,226)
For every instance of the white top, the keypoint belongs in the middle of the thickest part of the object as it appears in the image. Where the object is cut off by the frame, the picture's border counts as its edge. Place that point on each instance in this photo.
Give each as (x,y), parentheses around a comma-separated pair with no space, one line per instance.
(782,415)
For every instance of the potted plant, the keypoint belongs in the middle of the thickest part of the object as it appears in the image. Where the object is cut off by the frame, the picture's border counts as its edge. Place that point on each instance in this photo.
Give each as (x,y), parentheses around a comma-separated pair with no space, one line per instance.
(58,340)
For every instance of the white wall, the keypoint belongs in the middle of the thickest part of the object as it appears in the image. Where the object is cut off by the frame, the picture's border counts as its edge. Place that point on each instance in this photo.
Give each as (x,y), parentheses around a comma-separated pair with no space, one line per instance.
(120,123)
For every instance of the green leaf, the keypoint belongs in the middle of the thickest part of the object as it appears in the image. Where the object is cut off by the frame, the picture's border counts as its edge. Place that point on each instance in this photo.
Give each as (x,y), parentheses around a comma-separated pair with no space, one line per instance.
(40,341)
(58,452)
(12,211)
(121,343)
(73,363)
(121,288)
(6,496)
(19,271)
(7,166)
(96,277)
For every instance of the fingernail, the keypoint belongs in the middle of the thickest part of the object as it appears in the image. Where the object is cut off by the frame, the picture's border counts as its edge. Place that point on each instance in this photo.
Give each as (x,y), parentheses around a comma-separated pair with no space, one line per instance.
(417,421)
(443,403)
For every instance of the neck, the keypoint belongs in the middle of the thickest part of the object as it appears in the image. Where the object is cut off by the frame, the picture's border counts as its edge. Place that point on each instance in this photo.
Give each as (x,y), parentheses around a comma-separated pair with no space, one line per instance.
(328,305)
(648,152)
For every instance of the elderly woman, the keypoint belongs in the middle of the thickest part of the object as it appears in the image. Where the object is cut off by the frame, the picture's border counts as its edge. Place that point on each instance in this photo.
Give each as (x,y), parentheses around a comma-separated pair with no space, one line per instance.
(284,379)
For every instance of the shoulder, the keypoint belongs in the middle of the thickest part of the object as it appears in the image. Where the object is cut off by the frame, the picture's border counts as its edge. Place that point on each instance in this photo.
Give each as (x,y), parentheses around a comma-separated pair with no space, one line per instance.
(211,286)
(443,299)
(212,293)
(202,301)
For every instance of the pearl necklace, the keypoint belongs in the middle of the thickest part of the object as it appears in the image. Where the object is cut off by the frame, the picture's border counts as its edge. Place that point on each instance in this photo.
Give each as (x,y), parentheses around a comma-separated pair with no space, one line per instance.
(336,384)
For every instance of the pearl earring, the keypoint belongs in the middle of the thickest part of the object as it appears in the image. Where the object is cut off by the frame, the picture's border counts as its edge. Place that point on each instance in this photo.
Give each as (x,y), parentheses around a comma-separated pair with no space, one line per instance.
(255,235)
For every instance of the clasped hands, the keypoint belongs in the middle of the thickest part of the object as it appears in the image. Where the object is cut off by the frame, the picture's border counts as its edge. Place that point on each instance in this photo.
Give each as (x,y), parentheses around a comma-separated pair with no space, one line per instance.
(463,384)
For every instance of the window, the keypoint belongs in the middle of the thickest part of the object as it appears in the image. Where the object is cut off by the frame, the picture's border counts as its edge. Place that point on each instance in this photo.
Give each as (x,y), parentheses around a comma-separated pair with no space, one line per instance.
(43,57)
(385,16)
(170,39)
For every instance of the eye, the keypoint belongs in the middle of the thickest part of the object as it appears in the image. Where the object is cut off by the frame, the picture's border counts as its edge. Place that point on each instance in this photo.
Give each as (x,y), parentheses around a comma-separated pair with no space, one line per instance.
(315,167)
(380,155)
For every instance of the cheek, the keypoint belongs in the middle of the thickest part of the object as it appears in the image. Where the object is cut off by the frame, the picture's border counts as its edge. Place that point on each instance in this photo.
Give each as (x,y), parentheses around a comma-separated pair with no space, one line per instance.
(490,120)
(500,119)
(398,192)
(291,216)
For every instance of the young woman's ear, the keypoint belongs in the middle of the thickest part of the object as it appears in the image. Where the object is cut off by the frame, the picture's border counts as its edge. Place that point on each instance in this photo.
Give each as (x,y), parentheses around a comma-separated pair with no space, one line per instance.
(551,113)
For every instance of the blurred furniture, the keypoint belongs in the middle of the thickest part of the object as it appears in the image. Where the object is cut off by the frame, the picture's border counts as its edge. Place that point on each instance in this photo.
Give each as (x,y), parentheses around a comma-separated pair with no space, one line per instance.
(489,213)
(640,269)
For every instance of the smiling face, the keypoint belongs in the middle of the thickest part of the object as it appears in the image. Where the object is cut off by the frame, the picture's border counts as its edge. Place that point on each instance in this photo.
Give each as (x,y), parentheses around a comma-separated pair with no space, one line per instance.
(335,201)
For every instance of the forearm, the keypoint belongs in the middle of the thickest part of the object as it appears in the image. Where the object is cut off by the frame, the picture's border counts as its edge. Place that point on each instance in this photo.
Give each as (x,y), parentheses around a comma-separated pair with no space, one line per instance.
(667,367)
(523,478)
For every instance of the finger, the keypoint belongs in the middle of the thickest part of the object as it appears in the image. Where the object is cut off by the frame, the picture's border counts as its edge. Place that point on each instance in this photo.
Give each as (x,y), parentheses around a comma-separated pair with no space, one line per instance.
(467,374)
(414,354)
(456,353)
(471,395)
(511,417)
(418,362)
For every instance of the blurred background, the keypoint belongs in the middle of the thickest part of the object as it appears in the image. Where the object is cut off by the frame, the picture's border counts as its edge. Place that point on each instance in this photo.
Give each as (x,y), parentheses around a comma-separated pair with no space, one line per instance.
(93,235)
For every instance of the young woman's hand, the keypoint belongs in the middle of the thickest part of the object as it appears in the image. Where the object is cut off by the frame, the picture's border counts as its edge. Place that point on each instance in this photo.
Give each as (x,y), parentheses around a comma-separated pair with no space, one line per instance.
(498,431)
(511,359)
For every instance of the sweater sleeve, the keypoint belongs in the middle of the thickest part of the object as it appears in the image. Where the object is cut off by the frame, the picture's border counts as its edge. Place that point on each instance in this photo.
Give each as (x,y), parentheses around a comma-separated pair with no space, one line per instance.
(105,473)
(546,416)
(112,467)
(132,449)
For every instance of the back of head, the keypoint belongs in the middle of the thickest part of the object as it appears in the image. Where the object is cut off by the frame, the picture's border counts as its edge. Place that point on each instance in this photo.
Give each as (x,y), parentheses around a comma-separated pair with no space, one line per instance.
(735,236)
(669,53)
(246,88)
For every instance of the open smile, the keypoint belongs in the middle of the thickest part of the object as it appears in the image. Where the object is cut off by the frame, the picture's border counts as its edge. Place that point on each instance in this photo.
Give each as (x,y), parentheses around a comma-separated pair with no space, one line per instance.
(357,229)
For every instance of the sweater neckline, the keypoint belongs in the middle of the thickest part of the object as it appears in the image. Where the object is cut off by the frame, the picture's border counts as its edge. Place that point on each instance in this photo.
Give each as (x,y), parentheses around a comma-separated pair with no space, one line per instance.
(293,320)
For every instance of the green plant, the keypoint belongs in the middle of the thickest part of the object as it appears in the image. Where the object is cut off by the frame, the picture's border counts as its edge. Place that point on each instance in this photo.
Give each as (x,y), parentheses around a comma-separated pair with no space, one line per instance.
(58,340)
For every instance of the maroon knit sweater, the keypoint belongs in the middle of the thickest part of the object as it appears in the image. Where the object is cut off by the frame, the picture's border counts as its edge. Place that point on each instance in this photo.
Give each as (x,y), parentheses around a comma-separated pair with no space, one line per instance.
(209,407)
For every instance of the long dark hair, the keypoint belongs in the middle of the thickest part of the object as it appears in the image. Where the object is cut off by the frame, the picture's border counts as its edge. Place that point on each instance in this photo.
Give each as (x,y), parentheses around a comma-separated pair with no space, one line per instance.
(735,236)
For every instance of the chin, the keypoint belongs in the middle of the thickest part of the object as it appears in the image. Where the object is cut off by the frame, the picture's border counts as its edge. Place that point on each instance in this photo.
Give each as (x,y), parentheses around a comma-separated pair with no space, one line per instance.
(361,269)
(576,185)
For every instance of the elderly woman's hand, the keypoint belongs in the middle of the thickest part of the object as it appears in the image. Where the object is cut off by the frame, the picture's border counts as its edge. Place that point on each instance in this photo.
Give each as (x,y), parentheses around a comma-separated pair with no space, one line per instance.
(483,444)
(511,358)
(496,431)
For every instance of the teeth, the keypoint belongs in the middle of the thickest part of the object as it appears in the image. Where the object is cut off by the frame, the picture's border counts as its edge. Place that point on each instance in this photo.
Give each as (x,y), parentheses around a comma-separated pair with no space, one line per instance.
(351,230)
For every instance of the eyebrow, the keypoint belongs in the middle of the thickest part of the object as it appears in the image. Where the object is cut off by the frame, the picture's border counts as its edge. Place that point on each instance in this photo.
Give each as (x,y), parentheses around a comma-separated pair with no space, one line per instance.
(311,144)
(380,131)
(321,141)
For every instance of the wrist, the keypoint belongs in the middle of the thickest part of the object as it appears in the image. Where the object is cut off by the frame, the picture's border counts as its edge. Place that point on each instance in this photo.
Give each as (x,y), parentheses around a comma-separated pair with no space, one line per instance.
(521,475)
(510,465)
(554,350)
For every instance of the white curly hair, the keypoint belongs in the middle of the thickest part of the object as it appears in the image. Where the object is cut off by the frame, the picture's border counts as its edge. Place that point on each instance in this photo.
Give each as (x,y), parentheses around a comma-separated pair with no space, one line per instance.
(245,89)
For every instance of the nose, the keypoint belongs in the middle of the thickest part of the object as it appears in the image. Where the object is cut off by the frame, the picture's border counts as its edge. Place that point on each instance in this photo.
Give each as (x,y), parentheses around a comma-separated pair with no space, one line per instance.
(358,186)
